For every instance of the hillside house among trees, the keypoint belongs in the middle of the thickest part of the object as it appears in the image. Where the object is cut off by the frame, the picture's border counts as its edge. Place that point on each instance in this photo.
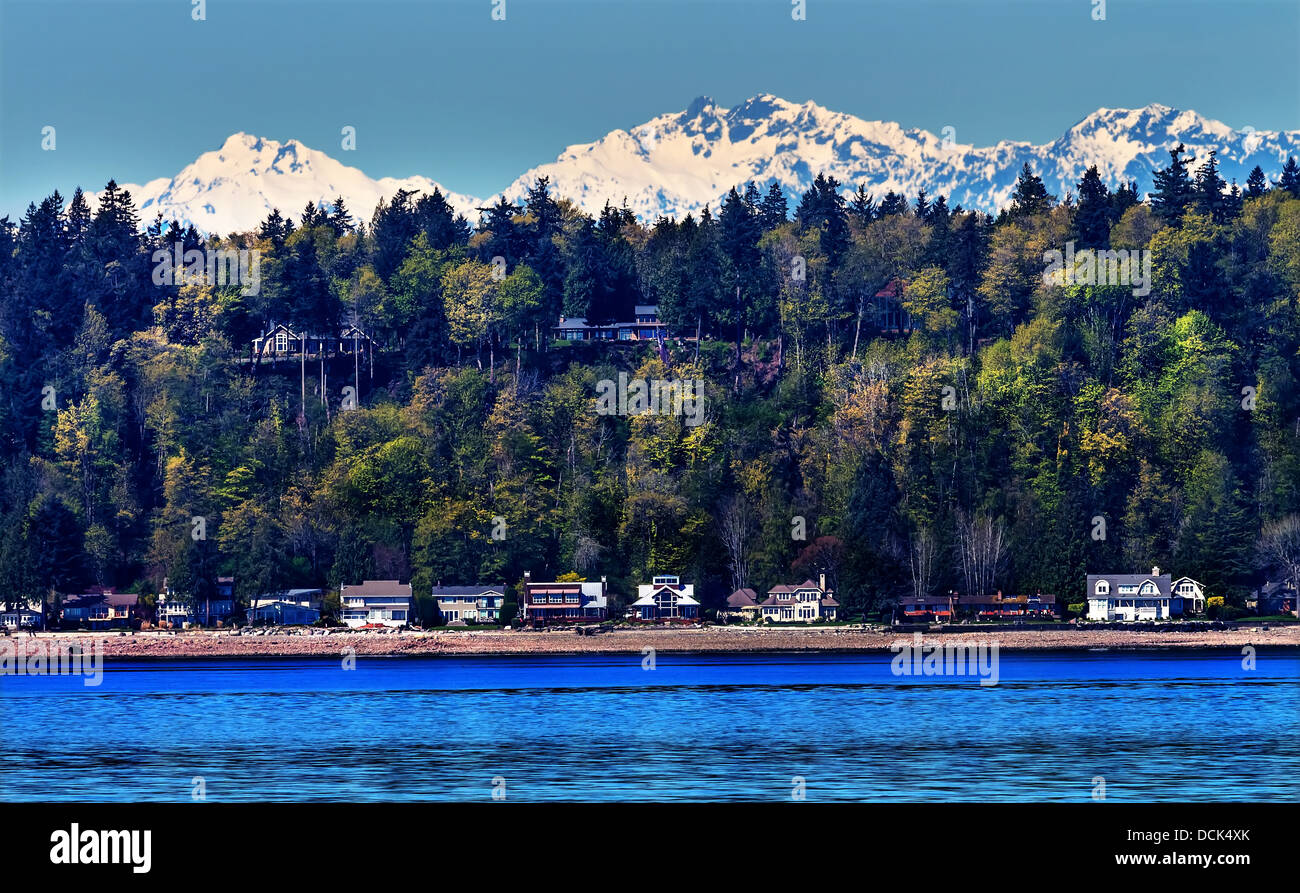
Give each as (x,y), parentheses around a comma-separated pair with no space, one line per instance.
(646,327)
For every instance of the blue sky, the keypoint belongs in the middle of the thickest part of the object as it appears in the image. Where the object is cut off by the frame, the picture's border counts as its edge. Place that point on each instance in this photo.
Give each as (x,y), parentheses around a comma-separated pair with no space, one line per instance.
(137,89)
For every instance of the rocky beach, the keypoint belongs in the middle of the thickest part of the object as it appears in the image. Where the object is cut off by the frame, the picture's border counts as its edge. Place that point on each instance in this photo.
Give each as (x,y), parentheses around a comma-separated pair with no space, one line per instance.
(308,642)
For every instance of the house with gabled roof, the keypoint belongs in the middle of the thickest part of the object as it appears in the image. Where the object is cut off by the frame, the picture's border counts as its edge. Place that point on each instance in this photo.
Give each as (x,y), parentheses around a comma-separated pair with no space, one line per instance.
(281,341)
(1276,597)
(666,597)
(1128,597)
(23,615)
(805,603)
(1188,597)
(470,604)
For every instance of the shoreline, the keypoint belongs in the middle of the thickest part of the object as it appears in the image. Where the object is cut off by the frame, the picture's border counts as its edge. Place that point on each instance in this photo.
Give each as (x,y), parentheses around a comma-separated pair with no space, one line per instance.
(219,644)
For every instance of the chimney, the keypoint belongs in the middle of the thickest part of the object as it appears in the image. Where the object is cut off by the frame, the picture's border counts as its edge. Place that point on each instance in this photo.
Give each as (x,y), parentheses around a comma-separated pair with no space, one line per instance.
(1155,571)
(821,582)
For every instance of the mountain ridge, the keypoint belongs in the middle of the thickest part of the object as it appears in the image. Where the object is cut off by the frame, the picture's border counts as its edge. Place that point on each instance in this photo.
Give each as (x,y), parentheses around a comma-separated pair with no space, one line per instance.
(679,162)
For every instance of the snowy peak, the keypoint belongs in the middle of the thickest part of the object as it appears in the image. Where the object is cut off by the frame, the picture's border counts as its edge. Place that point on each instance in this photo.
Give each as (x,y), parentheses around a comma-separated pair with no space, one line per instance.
(679,162)
(233,188)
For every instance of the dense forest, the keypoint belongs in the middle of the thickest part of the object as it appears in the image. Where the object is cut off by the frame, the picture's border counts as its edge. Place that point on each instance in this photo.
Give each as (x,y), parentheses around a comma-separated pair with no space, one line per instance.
(1018,434)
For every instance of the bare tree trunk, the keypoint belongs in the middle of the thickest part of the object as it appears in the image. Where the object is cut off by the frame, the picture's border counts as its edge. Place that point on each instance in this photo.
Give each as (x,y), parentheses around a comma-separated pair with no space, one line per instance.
(857,331)
(735,527)
(921,562)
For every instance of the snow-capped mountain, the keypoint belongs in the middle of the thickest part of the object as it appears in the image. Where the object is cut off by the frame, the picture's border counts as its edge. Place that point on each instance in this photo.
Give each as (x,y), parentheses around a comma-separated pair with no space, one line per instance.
(678,163)
(235,187)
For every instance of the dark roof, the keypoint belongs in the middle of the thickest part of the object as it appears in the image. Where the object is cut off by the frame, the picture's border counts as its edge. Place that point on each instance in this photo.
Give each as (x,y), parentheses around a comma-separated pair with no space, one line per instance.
(380,588)
(470,590)
(742,598)
(1162,582)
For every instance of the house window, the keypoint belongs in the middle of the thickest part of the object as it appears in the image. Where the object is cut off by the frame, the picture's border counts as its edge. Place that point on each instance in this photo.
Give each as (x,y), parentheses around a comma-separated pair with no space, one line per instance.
(1103,587)
(281,342)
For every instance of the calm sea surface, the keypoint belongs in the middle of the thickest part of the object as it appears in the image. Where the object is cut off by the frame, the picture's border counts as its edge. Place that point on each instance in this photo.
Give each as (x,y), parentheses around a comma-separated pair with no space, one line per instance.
(696,727)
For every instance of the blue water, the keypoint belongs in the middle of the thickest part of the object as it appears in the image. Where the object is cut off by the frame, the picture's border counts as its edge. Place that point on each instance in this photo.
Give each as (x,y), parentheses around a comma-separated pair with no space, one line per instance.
(1155,726)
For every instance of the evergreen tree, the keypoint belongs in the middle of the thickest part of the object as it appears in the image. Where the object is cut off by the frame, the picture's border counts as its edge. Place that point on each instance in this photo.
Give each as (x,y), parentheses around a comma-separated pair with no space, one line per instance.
(773,211)
(275,228)
(922,206)
(1256,183)
(1209,190)
(1092,214)
(863,206)
(1174,189)
(439,221)
(392,227)
(1290,180)
(1030,195)
(891,204)
(339,217)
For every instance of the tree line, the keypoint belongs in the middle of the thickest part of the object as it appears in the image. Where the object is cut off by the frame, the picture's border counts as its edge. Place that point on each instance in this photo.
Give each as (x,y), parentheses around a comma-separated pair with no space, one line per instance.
(1013,434)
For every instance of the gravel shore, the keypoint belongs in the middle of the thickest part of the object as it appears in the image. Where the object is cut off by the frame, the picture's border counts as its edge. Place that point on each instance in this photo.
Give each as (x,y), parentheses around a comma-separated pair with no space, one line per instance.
(304,643)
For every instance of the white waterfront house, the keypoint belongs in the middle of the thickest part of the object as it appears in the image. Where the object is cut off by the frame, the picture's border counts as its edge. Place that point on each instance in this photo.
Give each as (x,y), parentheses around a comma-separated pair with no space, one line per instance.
(806,602)
(1128,597)
(172,609)
(665,598)
(376,603)
(23,616)
(1188,597)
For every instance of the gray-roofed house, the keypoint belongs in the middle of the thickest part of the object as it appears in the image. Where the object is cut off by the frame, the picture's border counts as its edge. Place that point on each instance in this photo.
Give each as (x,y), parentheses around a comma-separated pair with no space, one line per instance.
(1128,597)
(470,604)
(376,603)
(805,603)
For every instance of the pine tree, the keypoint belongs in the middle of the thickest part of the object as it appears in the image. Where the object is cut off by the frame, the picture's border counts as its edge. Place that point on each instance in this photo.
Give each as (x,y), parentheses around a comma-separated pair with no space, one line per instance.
(1290,180)
(892,203)
(1030,196)
(1092,215)
(773,211)
(1174,189)
(339,217)
(863,206)
(311,215)
(1256,183)
(1209,190)
(78,218)
(276,228)
(1122,199)
(922,206)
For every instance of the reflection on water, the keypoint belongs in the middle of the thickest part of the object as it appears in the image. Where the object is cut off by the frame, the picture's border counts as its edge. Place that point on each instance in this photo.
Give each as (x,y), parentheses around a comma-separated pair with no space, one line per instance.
(698,727)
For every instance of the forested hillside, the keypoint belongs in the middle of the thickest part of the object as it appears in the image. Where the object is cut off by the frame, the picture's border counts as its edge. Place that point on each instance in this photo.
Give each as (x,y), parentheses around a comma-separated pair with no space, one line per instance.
(1024,434)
